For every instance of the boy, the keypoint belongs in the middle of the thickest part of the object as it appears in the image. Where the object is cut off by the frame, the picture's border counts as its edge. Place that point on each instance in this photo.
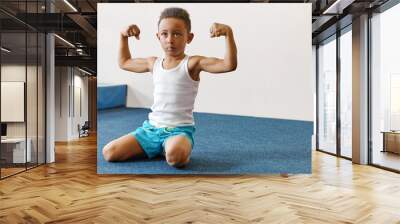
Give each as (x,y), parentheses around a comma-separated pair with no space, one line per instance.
(170,127)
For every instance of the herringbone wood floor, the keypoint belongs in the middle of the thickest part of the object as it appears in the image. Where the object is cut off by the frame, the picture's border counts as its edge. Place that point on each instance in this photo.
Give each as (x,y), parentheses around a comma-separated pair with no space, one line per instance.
(70,191)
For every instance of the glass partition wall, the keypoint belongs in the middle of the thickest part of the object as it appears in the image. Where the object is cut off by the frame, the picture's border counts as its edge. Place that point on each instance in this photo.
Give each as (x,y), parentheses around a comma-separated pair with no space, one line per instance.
(13,87)
(22,77)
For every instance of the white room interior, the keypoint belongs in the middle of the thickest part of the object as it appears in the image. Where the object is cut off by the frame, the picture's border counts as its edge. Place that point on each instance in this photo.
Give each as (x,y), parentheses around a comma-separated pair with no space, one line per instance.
(264,83)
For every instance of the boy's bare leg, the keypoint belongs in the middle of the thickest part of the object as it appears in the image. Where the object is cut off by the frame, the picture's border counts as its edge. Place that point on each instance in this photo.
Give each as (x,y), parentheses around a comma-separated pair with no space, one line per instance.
(177,150)
(123,148)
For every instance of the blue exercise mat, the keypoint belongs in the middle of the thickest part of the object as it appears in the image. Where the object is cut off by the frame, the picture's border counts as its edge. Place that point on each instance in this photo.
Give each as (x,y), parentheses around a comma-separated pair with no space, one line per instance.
(224,144)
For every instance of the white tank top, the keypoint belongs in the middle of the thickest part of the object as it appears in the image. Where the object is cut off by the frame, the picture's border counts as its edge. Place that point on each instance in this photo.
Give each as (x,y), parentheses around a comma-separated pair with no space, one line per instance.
(174,95)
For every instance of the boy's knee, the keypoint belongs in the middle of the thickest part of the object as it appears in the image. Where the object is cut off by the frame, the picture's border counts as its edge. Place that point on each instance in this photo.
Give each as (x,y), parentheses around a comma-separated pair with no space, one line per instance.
(109,152)
(177,159)
(177,164)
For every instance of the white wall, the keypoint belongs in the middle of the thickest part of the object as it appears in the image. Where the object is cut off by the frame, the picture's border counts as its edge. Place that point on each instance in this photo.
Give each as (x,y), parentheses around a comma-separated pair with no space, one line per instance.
(68,80)
(61,103)
(80,84)
(274,74)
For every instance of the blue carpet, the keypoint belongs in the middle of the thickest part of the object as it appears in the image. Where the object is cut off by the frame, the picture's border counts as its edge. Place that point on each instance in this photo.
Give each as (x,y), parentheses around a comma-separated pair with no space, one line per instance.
(224,144)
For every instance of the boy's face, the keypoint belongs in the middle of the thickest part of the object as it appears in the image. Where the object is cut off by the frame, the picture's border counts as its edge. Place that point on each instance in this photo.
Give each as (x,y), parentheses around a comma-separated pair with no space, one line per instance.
(173,36)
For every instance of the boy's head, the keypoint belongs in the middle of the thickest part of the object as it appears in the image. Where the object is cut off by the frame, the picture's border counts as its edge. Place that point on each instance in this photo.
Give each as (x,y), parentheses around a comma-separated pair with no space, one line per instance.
(177,13)
(174,30)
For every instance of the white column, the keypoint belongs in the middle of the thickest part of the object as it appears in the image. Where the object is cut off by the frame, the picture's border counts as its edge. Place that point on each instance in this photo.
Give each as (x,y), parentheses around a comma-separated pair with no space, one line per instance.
(50,110)
(360,90)
(50,92)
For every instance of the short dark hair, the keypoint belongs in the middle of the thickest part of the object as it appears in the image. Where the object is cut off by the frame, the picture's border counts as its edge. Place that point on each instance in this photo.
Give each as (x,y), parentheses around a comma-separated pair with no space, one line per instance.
(178,13)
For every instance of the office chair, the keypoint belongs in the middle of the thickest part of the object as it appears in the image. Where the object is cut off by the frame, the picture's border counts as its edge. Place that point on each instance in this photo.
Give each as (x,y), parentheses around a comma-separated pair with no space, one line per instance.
(84,130)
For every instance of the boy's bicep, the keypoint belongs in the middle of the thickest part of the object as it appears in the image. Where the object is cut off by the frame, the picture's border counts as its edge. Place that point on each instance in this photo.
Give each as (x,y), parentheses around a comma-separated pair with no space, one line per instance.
(138,65)
(212,65)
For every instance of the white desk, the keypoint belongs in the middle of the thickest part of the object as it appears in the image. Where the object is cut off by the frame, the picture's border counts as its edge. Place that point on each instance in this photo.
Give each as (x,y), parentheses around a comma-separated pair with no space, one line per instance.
(19,149)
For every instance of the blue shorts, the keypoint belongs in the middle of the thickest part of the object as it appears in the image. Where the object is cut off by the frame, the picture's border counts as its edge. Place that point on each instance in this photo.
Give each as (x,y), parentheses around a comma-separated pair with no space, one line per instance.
(152,139)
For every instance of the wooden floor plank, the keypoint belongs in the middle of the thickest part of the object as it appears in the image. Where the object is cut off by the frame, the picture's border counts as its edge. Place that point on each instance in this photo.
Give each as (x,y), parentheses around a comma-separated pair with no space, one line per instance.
(70,191)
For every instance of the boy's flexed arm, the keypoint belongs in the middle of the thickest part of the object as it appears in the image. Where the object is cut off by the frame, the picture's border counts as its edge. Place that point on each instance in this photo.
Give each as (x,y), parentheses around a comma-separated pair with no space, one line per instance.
(229,63)
(128,63)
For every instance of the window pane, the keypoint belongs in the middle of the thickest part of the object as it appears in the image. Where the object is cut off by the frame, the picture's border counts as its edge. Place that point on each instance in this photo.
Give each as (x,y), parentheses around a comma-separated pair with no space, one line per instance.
(327,96)
(346,93)
(41,98)
(31,100)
